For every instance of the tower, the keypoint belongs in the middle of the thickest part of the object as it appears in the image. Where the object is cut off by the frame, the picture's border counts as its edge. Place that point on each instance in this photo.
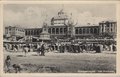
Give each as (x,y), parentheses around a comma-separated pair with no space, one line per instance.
(70,25)
(44,36)
(45,27)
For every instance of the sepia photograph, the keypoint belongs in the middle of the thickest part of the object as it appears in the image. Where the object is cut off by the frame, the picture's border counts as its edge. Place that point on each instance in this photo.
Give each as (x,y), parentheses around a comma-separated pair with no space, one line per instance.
(59,38)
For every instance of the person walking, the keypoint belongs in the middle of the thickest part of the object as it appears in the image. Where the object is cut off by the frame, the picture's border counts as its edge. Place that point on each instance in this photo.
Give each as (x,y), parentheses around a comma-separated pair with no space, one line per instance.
(25,49)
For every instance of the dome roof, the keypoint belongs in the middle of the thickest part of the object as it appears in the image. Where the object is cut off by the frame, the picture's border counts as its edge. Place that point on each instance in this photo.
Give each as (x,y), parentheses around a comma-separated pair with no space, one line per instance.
(61,12)
(61,15)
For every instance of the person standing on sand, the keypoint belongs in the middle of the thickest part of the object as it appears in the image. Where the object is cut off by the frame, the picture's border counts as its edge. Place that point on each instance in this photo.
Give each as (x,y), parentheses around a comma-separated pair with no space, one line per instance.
(25,49)
(8,63)
(42,50)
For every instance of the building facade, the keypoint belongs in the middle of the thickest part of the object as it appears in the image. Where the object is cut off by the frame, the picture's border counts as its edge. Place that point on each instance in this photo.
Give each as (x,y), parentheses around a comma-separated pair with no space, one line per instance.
(108,28)
(14,33)
(63,26)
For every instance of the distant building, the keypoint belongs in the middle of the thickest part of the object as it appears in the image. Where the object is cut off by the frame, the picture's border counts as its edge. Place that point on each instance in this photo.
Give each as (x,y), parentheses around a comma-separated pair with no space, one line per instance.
(108,28)
(14,33)
(60,19)
(33,32)
(86,31)
(64,26)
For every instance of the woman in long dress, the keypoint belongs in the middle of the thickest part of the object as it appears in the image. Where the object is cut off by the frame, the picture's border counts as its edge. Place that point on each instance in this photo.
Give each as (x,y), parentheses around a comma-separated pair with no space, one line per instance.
(8,63)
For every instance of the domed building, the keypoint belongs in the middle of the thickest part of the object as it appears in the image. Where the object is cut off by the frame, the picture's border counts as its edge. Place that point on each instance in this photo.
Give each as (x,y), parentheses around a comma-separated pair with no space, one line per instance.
(60,19)
(62,26)
(64,30)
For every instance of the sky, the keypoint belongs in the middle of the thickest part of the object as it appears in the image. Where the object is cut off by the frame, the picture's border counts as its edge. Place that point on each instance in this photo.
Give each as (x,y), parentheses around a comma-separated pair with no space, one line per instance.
(33,15)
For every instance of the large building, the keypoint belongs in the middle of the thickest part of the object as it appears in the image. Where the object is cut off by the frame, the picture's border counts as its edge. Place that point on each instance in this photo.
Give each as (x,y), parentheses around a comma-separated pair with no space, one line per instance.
(14,33)
(63,26)
(108,28)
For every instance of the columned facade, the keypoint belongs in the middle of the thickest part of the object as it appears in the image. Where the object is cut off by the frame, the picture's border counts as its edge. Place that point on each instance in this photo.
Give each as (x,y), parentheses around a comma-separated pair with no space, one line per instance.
(33,32)
(62,25)
(108,27)
(86,31)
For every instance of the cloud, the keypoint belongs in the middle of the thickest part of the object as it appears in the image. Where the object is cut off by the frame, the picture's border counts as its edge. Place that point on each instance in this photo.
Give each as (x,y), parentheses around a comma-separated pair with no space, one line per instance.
(87,17)
(34,17)
(83,18)
(30,17)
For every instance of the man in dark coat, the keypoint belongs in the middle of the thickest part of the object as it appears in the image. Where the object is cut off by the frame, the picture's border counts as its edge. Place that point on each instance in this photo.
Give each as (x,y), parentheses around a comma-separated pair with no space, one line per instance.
(63,48)
(114,48)
(42,50)
(98,50)
(79,49)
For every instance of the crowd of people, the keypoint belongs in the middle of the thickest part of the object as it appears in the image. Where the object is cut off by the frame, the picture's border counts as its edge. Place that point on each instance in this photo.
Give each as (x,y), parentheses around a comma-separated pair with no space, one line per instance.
(41,49)
(80,48)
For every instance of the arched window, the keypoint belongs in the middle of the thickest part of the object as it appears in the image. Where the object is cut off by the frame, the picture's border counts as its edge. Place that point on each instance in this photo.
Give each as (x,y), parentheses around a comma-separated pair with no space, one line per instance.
(26,32)
(32,32)
(108,24)
(57,30)
(37,32)
(80,31)
(61,30)
(76,31)
(91,30)
(87,30)
(49,30)
(95,30)
(65,30)
(29,32)
(53,30)
(84,31)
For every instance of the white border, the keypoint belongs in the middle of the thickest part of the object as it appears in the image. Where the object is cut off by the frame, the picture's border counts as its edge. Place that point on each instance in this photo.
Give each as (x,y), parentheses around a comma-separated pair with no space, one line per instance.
(60,74)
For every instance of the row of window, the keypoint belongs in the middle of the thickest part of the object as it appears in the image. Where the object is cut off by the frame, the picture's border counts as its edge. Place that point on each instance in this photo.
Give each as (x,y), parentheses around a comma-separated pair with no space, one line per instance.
(16,30)
(108,29)
(33,32)
(62,31)
(57,30)
(77,31)
(21,30)
(108,24)
(87,30)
